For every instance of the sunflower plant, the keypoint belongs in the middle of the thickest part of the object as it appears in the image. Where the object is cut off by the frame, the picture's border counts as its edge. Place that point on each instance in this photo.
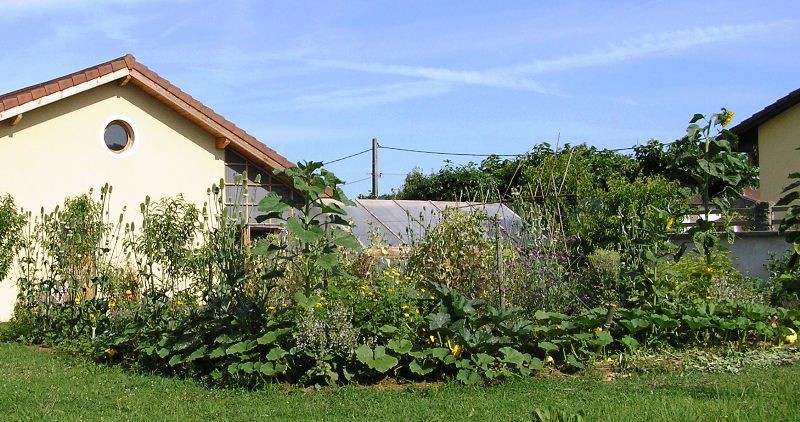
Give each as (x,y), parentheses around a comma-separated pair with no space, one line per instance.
(714,172)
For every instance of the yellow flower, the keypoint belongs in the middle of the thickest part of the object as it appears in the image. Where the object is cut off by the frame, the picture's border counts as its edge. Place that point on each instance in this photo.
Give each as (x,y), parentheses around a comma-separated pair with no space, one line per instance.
(405,307)
(406,315)
(455,349)
(670,222)
(548,360)
(598,330)
(128,292)
(433,339)
(725,117)
(91,315)
(77,301)
(111,352)
(709,270)
(271,308)
(112,304)
(790,338)
(180,302)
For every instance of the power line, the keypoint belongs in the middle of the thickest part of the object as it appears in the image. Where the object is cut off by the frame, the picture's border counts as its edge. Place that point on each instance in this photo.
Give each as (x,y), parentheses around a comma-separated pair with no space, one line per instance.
(359,180)
(349,156)
(447,153)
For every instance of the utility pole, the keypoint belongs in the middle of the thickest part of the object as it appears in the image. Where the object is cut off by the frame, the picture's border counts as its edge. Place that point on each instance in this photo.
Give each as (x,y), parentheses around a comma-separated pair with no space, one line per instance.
(375,173)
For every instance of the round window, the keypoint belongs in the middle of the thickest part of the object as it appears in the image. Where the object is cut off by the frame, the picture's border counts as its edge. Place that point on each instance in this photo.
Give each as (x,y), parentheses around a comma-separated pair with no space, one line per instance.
(118,136)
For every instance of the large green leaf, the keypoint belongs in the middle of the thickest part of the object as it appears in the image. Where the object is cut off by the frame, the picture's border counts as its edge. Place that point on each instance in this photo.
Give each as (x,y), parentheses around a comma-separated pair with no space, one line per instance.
(364,354)
(468,376)
(631,343)
(273,204)
(218,352)
(240,347)
(199,353)
(548,347)
(422,369)
(438,320)
(383,362)
(327,261)
(376,359)
(401,346)
(513,356)
(311,234)
(271,336)
(276,353)
(603,338)
(344,239)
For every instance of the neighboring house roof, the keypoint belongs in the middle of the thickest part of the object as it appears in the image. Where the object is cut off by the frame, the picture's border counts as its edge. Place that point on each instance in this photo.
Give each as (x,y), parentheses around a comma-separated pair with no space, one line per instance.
(770,111)
(403,222)
(747,130)
(127,70)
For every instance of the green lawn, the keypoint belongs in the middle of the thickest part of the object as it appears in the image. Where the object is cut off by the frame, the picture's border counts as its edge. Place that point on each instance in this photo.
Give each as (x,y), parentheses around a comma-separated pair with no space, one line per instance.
(37,385)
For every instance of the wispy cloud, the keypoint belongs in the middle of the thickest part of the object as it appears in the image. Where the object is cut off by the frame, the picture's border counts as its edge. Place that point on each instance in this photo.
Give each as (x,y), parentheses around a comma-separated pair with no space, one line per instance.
(649,44)
(363,97)
(11,10)
(519,77)
(465,77)
(628,101)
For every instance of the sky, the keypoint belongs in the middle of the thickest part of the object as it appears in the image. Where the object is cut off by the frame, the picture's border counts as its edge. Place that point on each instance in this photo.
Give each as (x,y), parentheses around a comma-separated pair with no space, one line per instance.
(317,80)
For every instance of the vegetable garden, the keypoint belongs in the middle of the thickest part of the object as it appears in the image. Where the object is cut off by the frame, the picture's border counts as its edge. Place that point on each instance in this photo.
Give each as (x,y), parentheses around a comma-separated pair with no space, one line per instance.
(592,273)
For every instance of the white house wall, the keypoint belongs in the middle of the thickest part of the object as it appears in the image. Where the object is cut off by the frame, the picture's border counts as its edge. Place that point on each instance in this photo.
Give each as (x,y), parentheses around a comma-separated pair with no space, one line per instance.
(58,151)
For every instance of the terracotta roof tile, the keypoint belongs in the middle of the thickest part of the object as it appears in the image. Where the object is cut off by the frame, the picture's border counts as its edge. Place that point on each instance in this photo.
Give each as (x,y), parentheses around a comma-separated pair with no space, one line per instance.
(51,88)
(38,92)
(79,78)
(64,84)
(24,97)
(265,155)
(10,102)
(105,69)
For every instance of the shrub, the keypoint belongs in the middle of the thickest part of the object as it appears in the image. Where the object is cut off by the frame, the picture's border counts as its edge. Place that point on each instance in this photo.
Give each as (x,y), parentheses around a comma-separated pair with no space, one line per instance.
(784,280)
(11,222)
(458,253)
(693,277)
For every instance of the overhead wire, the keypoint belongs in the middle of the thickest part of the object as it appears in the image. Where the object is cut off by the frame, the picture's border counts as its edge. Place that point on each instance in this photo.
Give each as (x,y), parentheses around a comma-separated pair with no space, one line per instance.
(463,154)
(348,156)
(359,180)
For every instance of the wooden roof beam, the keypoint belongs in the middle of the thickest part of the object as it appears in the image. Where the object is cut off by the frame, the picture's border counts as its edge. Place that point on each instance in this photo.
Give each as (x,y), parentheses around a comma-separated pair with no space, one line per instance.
(223,142)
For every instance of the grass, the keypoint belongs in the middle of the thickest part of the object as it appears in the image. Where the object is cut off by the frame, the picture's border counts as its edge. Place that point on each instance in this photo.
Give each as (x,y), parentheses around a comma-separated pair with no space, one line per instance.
(38,385)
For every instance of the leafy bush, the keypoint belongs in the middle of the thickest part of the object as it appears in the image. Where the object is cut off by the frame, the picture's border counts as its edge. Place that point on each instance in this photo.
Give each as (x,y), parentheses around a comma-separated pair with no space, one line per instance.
(458,253)
(11,222)
(785,280)
(692,277)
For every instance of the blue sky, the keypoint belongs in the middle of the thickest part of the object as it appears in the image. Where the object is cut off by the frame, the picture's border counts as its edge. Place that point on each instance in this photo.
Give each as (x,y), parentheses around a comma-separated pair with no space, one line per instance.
(317,80)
